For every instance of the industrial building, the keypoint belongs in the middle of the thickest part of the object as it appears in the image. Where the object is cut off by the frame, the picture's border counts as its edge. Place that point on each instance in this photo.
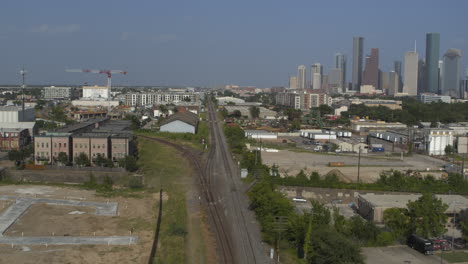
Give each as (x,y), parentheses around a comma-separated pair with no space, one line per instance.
(186,122)
(245,111)
(53,92)
(359,126)
(110,139)
(260,134)
(437,139)
(14,114)
(372,206)
(228,99)
(13,138)
(428,98)
(392,104)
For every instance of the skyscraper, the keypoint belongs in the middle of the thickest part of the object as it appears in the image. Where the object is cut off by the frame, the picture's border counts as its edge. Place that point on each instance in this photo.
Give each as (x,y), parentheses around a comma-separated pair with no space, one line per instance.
(432,59)
(358,47)
(335,81)
(410,85)
(451,80)
(301,77)
(293,82)
(421,76)
(397,68)
(393,83)
(340,63)
(370,76)
(316,72)
(383,80)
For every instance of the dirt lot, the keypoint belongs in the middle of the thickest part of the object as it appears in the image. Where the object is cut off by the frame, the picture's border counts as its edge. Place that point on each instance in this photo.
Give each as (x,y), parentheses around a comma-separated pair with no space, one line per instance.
(291,163)
(397,255)
(44,219)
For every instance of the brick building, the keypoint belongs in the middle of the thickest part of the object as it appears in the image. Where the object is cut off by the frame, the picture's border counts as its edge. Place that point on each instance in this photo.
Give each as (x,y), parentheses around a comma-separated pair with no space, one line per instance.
(13,138)
(47,147)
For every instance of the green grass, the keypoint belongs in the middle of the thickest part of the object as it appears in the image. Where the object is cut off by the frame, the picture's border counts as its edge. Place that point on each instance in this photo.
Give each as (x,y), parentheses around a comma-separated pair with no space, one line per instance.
(163,168)
(455,257)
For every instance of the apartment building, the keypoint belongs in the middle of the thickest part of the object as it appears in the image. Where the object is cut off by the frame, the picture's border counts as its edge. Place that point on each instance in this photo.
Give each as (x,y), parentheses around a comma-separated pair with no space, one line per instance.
(140,99)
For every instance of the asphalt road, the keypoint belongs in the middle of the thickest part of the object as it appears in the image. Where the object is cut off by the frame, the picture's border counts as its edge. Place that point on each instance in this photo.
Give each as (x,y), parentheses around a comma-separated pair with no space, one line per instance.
(227,186)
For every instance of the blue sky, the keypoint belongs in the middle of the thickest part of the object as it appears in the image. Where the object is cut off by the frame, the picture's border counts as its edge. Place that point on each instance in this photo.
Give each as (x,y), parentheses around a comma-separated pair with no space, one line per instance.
(208,42)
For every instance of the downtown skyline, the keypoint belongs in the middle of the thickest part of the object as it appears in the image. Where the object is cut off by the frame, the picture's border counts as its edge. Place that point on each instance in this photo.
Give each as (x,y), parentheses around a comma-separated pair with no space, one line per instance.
(210,44)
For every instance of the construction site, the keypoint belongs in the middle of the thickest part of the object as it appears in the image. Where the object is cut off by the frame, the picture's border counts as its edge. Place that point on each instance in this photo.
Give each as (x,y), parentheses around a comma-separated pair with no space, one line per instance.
(45,224)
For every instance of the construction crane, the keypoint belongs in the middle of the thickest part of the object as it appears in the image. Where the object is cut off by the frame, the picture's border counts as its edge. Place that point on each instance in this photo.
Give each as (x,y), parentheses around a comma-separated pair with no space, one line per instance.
(109,76)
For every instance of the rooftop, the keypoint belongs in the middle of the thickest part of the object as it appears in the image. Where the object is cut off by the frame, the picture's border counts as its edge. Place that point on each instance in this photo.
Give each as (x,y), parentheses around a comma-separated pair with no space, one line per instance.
(12,108)
(186,117)
(455,202)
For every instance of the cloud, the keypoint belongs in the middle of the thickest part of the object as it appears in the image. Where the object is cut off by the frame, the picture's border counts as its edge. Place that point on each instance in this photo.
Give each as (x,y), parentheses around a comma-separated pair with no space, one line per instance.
(165,38)
(56,29)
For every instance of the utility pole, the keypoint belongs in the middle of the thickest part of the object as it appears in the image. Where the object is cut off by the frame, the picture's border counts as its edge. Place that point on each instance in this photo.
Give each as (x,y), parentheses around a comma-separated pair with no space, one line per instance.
(23,74)
(359,164)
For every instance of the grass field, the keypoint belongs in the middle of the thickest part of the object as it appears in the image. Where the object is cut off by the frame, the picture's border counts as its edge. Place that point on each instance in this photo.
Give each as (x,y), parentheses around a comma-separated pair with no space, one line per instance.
(455,257)
(181,238)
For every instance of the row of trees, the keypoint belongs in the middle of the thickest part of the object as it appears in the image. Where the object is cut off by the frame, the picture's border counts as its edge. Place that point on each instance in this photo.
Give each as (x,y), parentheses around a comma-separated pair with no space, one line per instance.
(395,181)
(412,112)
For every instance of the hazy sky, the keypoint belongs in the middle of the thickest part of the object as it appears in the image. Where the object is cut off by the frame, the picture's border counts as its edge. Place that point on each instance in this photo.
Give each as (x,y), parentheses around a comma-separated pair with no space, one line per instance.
(212,42)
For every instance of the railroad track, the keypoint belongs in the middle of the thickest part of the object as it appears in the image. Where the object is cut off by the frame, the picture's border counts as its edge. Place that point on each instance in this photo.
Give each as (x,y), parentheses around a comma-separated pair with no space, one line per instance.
(217,141)
(214,212)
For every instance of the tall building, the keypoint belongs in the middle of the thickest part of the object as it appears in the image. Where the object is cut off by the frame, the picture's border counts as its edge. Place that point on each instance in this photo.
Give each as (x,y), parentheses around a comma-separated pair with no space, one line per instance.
(393,83)
(451,80)
(335,81)
(383,80)
(316,72)
(340,63)
(432,59)
(358,47)
(370,76)
(441,75)
(410,85)
(421,76)
(293,82)
(301,77)
(397,68)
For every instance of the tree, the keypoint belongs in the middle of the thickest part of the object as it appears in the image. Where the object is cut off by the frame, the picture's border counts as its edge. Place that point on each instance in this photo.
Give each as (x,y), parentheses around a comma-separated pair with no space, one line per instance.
(99,160)
(449,149)
(254,111)
(15,155)
(464,229)
(62,158)
(427,216)
(129,163)
(82,160)
(295,125)
(326,109)
(397,220)
(327,246)
(135,121)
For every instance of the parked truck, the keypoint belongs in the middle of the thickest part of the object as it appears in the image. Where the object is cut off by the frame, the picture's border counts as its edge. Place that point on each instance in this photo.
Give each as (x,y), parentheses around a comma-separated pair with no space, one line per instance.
(421,244)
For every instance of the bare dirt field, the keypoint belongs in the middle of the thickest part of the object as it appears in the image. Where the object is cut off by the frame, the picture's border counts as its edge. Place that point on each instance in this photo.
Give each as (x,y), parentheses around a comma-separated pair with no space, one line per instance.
(397,255)
(290,163)
(137,214)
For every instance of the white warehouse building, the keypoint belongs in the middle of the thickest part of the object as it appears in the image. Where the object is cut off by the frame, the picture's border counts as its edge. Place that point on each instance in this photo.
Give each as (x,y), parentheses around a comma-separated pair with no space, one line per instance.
(437,139)
(13,114)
